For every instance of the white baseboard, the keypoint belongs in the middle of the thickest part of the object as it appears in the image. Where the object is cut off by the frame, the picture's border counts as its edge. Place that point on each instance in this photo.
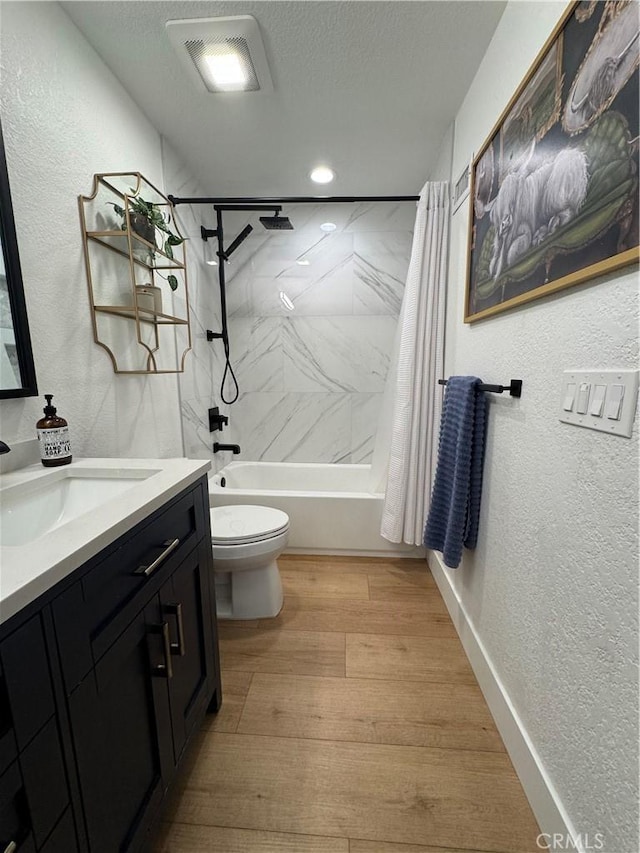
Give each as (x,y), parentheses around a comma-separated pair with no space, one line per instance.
(543,798)
(410,552)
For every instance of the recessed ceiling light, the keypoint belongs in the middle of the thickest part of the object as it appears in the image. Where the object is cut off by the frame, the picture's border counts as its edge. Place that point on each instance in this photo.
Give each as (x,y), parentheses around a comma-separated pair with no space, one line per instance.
(328,226)
(322,175)
(227,70)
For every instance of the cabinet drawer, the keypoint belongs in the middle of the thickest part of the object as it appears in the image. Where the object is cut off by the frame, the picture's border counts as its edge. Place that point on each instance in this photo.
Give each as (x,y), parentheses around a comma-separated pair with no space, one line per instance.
(15,825)
(45,781)
(120,577)
(28,682)
(92,614)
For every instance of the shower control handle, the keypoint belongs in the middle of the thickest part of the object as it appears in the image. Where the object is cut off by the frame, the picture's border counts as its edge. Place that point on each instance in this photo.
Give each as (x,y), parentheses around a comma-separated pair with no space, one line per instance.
(216,420)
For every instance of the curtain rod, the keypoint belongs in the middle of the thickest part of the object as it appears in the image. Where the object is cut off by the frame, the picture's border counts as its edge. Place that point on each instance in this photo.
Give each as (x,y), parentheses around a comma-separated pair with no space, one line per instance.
(324,199)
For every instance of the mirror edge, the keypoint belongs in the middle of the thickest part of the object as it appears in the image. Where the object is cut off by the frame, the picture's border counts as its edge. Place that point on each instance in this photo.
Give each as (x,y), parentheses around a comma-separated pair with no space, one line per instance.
(15,288)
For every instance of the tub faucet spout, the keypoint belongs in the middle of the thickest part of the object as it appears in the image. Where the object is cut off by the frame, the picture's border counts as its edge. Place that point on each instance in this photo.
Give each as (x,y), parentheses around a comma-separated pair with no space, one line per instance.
(4,448)
(234,448)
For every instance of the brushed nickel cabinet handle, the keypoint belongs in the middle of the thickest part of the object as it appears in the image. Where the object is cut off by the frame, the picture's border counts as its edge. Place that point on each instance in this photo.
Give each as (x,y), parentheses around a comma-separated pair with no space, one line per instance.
(169,545)
(176,610)
(164,669)
(11,847)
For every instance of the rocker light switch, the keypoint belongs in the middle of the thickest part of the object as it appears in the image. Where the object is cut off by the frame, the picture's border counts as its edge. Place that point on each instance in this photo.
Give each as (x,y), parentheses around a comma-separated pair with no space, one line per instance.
(604,400)
(583,398)
(597,401)
(569,397)
(614,402)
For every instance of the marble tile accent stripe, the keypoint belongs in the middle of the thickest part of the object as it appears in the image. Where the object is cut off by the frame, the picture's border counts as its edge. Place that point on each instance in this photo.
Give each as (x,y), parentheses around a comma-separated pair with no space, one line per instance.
(380,271)
(365,415)
(257,354)
(337,353)
(273,427)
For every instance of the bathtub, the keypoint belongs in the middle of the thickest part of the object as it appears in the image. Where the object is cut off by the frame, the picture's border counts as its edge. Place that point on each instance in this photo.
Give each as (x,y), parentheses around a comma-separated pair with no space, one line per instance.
(330,507)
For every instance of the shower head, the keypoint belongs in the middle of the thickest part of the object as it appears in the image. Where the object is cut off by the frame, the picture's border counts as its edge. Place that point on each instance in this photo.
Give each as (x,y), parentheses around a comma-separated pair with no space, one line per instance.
(242,236)
(276,223)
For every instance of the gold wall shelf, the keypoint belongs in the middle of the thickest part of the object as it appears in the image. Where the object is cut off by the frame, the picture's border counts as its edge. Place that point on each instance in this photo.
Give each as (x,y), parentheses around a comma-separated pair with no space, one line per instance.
(131,274)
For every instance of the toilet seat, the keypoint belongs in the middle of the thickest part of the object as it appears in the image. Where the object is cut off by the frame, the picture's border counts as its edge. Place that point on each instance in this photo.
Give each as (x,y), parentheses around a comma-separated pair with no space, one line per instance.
(239,525)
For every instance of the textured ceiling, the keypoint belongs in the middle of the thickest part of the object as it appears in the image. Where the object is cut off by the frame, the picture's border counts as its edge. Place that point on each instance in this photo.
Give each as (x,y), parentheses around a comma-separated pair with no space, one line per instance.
(367,87)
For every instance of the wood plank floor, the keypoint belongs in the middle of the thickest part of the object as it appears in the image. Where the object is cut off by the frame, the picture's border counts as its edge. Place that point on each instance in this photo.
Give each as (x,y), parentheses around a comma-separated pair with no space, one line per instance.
(351,723)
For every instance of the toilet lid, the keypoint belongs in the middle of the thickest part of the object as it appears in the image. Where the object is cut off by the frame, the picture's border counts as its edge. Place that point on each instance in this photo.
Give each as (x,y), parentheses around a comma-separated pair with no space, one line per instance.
(246,523)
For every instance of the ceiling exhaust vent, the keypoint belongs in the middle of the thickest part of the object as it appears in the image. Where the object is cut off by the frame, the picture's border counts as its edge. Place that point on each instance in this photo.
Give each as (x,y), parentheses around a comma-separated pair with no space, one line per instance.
(222,54)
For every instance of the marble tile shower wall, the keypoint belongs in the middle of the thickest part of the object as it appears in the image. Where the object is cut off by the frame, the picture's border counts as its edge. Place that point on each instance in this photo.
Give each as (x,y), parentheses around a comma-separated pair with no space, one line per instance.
(312,321)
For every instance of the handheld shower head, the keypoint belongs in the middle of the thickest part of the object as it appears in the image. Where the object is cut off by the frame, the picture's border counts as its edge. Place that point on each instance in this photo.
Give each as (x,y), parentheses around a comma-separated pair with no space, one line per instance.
(276,223)
(242,236)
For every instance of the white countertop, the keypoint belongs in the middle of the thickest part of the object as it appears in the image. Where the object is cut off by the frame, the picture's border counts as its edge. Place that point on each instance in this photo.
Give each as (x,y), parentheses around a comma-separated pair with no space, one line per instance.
(30,569)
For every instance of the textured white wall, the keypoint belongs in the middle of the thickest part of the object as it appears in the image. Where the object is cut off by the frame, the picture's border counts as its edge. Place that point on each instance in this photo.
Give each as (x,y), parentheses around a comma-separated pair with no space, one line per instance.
(552,586)
(65,117)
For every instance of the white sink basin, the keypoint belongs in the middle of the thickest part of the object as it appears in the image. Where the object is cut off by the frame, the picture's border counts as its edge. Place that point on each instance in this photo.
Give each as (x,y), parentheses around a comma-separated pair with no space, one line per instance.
(32,509)
(53,520)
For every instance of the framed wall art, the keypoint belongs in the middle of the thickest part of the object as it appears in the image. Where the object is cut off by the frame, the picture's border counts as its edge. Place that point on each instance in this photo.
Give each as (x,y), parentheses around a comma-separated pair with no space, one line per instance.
(554,189)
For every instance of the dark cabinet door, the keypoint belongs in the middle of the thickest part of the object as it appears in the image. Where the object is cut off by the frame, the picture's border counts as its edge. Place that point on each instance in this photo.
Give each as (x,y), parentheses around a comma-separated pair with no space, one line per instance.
(122,732)
(15,821)
(186,606)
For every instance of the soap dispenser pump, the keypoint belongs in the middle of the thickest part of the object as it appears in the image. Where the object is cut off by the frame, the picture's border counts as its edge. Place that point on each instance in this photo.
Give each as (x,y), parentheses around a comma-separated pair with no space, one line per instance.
(53,437)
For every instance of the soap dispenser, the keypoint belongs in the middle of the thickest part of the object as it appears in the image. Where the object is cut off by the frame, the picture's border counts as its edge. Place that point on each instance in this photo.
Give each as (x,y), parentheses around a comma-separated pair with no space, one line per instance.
(53,437)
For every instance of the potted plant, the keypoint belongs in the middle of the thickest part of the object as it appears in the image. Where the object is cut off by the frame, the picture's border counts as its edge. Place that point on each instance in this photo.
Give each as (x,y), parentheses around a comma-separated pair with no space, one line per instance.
(145,217)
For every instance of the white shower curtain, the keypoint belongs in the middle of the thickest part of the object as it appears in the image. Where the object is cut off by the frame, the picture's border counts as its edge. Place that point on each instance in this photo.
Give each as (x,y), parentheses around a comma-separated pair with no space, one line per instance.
(416,414)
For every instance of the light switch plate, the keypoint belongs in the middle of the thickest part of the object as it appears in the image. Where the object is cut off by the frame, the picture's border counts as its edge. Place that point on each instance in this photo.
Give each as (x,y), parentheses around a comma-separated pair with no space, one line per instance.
(596,378)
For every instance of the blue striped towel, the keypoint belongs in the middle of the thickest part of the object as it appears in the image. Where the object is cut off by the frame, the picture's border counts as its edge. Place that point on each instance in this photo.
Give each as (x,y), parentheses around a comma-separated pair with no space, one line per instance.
(455,501)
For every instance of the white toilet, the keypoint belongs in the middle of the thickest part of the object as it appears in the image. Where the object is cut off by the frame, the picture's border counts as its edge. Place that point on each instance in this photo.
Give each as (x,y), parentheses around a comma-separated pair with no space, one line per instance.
(246,542)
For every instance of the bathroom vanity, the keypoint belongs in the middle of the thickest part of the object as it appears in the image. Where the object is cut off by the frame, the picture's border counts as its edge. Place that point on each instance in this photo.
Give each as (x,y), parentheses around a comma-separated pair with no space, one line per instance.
(107,672)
